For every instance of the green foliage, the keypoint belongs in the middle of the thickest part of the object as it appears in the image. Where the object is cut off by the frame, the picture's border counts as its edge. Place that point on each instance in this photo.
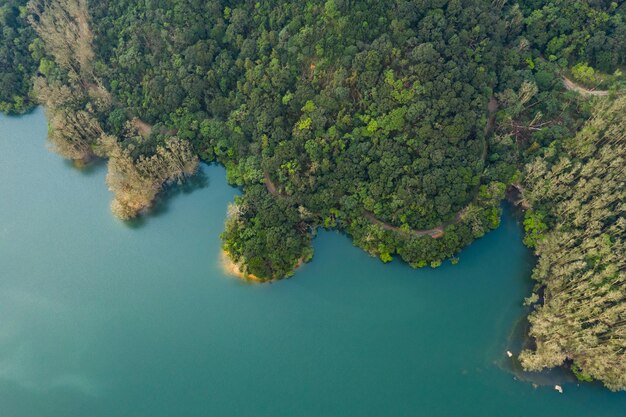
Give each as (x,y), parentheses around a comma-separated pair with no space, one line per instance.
(583,72)
(581,263)
(534,227)
(399,122)
(580,374)
(346,118)
(383,253)
(545,80)
(577,31)
(267,238)
(16,64)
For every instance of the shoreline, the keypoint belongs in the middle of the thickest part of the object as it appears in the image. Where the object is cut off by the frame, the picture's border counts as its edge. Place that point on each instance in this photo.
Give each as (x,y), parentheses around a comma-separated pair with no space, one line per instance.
(231,268)
(519,340)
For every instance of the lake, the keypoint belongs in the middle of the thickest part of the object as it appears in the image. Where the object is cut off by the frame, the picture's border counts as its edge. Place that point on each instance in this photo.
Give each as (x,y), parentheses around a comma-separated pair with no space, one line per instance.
(103,319)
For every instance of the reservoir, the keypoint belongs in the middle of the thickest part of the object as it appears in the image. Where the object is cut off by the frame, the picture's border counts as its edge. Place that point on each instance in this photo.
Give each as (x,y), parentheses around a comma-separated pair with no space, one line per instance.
(99,318)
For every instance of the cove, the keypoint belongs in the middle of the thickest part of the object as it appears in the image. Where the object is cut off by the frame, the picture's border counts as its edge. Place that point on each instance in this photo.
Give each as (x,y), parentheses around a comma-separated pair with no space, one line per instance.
(99,318)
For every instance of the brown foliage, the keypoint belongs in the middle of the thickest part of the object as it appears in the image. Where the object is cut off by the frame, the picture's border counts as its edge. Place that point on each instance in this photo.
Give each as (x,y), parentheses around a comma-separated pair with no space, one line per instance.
(582,260)
(136,183)
(73,131)
(63,25)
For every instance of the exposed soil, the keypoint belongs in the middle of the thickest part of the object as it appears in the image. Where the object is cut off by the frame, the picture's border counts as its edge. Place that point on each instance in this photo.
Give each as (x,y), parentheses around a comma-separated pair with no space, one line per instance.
(572,86)
(271,187)
(437,231)
(142,127)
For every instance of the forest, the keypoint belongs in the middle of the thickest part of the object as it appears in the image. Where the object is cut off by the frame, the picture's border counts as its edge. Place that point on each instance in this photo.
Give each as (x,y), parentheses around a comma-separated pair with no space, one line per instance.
(402,123)
(577,192)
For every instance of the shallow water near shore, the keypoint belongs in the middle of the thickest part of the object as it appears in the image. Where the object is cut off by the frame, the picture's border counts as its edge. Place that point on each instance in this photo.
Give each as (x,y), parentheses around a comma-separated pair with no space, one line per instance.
(101,318)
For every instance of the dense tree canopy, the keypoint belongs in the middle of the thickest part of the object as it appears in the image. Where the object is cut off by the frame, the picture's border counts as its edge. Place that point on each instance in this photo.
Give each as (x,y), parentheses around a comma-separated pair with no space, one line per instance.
(16,64)
(578,227)
(573,31)
(400,122)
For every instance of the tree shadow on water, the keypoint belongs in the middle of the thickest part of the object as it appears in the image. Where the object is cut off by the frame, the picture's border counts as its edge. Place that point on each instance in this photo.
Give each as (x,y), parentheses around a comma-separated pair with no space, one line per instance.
(519,340)
(87,169)
(162,203)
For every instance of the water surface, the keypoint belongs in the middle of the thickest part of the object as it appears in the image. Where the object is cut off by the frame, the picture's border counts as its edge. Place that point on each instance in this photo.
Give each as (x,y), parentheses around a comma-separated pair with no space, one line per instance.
(99,319)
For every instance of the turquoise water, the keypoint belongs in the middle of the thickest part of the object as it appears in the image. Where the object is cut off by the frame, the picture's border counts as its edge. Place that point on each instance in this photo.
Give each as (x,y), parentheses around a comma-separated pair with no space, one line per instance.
(99,319)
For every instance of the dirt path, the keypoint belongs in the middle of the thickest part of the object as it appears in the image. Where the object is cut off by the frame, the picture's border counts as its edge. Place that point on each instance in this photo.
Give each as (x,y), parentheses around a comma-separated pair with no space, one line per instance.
(271,187)
(492,108)
(437,231)
(572,86)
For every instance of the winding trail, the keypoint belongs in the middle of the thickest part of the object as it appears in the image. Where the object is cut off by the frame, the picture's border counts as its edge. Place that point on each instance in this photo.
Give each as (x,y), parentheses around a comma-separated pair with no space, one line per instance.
(271,187)
(572,86)
(437,231)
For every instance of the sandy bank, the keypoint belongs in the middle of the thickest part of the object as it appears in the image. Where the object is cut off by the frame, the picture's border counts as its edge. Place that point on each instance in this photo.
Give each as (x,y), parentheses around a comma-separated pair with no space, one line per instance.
(231,268)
